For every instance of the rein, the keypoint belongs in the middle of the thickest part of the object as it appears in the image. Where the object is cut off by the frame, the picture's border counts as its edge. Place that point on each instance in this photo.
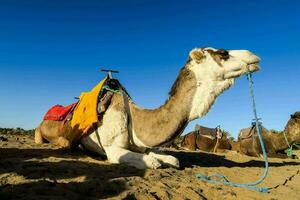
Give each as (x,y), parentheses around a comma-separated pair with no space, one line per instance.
(290,150)
(251,185)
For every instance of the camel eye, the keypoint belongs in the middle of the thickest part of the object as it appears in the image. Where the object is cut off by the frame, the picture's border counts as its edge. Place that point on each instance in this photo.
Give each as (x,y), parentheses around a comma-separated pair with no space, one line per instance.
(223,53)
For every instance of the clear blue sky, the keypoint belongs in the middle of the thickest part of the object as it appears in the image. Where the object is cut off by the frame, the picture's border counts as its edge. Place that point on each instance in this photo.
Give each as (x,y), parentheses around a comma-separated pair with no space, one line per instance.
(50,51)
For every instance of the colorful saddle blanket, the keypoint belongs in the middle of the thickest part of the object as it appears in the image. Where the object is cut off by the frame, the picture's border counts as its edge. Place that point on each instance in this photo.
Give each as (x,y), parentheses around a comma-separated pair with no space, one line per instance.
(59,112)
(85,114)
(89,109)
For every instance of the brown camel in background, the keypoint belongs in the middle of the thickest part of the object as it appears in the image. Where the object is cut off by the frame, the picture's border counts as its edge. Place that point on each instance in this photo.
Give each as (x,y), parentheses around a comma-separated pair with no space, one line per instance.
(248,142)
(206,139)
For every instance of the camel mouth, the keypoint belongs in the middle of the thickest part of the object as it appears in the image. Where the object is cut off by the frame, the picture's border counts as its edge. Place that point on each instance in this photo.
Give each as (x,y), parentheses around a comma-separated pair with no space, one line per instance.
(253,67)
(238,71)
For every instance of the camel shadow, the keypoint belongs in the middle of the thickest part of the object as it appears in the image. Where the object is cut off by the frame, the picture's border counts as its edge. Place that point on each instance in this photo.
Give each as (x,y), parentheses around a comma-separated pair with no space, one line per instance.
(190,159)
(57,174)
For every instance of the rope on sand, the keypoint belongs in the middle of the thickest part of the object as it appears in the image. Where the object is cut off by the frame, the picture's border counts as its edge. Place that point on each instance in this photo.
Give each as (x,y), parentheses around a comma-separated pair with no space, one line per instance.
(251,185)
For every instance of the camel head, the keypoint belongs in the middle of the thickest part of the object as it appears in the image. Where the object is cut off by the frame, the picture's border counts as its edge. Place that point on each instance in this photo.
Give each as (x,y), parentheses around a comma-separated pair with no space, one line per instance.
(214,71)
(293,127)
(296,115)
(211,64)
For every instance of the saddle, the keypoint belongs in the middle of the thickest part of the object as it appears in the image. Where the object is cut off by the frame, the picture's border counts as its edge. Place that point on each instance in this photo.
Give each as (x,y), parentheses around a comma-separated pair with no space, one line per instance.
(59,112)
(211,133)
(249,132)
(104,96)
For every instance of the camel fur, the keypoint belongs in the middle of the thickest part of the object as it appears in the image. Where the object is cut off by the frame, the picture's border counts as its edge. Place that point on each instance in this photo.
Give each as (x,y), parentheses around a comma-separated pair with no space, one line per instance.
(128,133)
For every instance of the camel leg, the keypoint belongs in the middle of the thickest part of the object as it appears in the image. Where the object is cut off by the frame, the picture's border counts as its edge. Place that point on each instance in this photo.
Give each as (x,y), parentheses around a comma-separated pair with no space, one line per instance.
(138,160)
(38,138)
(63,142)
(277,155)
(165,159)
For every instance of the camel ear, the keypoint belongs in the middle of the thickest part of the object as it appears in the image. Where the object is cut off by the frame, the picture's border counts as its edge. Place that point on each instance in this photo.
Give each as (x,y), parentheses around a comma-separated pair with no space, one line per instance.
(197,55)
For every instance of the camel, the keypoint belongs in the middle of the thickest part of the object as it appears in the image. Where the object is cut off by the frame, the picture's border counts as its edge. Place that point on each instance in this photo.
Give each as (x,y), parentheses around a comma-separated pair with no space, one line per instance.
(246,138)
(206,139)
(275,143)
(129,134)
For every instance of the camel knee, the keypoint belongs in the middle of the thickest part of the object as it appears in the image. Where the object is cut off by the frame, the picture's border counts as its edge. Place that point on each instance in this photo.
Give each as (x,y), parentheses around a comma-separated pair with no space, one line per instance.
(63,142)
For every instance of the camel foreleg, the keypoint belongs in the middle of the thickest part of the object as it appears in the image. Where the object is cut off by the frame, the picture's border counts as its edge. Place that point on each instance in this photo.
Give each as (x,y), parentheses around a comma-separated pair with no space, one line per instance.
(141,161)
(38,138)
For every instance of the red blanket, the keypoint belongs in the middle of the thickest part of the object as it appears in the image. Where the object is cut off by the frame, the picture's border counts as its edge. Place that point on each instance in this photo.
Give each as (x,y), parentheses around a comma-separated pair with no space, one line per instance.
(59,112)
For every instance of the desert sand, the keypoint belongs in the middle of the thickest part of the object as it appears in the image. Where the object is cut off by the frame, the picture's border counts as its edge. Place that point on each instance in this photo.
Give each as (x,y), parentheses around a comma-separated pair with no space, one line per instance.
(30,171)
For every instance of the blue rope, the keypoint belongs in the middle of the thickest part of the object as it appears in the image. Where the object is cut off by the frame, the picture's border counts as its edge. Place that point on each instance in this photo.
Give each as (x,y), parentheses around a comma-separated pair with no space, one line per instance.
(251,185)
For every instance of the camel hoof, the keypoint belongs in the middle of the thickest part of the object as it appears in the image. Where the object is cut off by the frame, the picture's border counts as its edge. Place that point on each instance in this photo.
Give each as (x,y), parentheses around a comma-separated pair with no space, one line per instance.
(172,162)
(166,160)
(153,163)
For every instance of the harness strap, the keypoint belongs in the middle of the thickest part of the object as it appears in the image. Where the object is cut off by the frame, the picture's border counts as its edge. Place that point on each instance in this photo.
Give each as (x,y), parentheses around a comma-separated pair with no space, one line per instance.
(68,117)
(219,137)
(208,136)
(106,87)
(286,139)
(216,145)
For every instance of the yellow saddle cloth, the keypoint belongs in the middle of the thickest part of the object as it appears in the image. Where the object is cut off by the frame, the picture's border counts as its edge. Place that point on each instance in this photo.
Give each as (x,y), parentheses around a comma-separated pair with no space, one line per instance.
(85,113)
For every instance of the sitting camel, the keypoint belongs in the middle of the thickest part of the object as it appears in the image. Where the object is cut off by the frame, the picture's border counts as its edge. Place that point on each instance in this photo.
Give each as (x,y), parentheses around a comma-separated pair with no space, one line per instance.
(127,132)
(206,139)
(248,142)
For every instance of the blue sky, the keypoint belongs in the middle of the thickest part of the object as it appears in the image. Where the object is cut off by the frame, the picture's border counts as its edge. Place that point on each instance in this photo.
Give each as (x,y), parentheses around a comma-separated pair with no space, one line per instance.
(50,51)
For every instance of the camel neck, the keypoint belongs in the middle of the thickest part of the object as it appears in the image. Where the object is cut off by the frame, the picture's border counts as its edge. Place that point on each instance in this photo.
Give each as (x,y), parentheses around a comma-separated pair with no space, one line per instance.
(279,142)
(157,126)
(189,100)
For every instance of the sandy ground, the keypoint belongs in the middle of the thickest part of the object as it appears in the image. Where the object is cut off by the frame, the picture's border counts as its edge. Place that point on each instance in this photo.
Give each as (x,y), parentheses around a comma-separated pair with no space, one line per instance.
(30,171)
